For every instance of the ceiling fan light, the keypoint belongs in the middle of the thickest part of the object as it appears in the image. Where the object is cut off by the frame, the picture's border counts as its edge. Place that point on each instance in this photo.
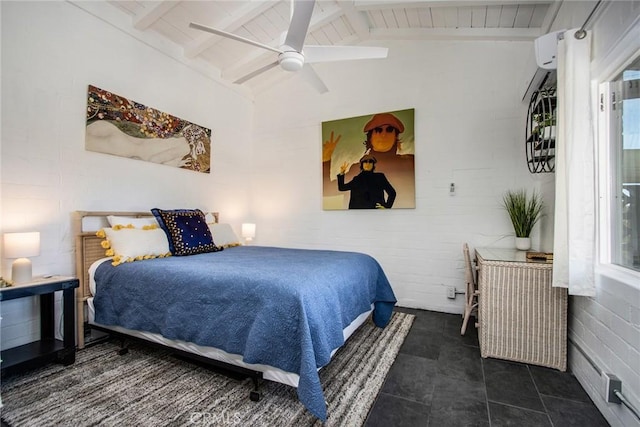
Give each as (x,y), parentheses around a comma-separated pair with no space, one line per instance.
(291,61)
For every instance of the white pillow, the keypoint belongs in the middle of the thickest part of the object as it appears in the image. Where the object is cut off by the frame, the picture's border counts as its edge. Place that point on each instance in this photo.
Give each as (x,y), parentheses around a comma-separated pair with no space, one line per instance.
(134,244)
(223,235)
(126,220)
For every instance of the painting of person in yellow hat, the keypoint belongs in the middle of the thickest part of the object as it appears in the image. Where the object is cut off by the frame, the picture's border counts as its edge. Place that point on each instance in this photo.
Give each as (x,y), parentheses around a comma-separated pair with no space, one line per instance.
(388,137)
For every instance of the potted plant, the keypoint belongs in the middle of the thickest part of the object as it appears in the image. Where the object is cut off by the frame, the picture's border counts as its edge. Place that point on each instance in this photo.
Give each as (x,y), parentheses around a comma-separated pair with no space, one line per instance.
(524,212)
(545,129)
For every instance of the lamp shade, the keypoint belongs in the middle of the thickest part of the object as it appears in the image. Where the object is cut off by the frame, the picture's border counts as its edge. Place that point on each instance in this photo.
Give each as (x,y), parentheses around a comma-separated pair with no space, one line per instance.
(248,231)
(21,245)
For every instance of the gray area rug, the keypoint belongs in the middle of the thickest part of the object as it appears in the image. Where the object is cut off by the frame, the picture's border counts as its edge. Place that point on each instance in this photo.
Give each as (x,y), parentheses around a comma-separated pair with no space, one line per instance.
(150,387)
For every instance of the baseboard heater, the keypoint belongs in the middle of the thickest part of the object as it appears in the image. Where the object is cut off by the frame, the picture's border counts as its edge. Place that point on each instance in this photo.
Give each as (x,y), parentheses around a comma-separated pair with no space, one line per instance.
(617,393)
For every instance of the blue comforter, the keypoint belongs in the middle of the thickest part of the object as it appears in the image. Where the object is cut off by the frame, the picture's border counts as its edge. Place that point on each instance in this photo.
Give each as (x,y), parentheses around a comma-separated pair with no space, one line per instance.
(280,307)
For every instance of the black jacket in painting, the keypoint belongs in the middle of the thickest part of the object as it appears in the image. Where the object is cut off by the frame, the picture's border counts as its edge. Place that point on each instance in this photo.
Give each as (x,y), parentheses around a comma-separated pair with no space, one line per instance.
(367,189)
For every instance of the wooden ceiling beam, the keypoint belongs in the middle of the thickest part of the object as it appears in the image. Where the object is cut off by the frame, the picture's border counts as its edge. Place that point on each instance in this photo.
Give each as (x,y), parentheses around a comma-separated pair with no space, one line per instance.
(497,34)
(377,4)
(152,13)
(229,24)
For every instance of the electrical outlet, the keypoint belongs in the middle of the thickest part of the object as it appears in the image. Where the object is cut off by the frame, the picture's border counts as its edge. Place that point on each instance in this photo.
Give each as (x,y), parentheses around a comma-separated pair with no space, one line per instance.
(451,292)
(611,384)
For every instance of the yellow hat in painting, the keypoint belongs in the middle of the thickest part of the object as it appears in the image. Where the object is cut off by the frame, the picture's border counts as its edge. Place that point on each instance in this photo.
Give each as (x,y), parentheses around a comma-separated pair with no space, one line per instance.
(383,119)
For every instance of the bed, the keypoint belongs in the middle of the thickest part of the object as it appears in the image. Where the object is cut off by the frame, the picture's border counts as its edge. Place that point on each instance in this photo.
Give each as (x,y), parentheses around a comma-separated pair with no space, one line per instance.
(278,313)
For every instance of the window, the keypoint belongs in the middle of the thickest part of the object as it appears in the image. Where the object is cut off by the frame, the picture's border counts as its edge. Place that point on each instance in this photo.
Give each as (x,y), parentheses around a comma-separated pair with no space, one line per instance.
(625,167)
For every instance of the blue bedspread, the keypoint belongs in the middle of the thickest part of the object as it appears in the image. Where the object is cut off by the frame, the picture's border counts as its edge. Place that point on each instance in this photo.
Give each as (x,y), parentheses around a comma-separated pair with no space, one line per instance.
(280,307)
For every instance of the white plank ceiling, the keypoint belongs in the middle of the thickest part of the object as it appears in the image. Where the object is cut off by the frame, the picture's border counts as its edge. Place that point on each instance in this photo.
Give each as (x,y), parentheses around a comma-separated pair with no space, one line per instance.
(164,25)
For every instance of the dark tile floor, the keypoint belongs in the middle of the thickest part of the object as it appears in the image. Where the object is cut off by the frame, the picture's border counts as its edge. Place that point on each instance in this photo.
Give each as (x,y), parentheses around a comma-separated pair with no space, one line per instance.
(440,380)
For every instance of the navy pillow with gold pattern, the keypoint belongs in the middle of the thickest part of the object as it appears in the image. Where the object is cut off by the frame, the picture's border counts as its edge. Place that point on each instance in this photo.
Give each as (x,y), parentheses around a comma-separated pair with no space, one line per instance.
(187,231)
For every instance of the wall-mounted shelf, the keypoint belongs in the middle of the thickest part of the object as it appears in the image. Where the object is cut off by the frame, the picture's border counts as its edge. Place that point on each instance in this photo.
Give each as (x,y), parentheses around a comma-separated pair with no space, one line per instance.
(540,142)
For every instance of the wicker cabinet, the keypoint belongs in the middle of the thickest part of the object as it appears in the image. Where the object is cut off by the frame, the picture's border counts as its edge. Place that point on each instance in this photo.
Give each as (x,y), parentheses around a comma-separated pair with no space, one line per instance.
(521,316)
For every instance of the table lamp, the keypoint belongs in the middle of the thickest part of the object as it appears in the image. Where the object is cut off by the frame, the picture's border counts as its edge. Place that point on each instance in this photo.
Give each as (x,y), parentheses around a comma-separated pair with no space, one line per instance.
(248,232)
(21,246)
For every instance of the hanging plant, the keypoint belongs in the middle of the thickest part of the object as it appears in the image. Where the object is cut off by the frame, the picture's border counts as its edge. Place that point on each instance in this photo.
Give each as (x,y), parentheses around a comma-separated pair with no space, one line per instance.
(543,121)
(523,210)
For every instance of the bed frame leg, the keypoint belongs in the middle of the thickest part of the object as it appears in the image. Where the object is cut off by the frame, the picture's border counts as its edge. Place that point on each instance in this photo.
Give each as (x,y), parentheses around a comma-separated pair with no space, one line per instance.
(123,348)
(254,395)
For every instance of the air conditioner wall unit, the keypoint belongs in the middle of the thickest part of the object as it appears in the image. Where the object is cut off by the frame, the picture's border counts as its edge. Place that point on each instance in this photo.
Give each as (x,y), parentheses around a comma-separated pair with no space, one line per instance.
(546,52)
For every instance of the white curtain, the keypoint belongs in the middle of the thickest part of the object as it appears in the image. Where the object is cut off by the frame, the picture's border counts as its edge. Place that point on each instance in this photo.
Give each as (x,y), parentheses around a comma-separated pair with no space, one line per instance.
(574,228)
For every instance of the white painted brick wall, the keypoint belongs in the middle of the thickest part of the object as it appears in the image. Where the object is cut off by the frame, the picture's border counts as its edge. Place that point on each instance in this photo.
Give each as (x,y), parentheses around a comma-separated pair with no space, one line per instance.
(602,327)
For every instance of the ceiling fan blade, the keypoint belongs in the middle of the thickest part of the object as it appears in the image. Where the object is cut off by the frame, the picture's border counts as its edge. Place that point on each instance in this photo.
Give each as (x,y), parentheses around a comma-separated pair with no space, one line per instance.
(310,75)
(232,36)
(342,53)
(256,72)
(299,25)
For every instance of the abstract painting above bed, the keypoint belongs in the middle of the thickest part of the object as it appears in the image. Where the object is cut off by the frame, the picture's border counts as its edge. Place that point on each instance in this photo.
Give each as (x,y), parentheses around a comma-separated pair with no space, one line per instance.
(285,308)
(126,128)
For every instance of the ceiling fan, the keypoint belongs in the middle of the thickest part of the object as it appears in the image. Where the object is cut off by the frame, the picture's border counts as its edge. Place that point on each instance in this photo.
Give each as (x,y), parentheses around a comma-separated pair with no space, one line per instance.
(294,55)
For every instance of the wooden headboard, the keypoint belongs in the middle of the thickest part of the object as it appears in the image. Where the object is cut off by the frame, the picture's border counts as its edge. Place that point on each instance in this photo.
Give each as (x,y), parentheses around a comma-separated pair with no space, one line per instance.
(89,249)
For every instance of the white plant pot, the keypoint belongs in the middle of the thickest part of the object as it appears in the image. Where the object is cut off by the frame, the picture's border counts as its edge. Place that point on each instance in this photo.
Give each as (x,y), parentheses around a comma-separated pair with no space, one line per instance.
(523,243)
(549,132)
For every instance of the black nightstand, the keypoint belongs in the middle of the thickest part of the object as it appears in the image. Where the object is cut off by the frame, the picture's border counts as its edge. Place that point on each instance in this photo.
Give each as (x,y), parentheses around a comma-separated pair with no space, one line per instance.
(48,348)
